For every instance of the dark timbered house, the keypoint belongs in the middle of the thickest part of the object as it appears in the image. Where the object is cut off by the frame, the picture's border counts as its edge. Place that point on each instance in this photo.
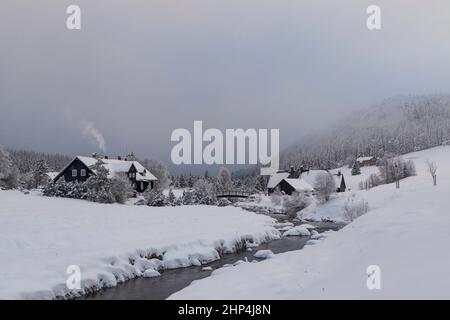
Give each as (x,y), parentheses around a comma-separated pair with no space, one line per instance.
(81,168)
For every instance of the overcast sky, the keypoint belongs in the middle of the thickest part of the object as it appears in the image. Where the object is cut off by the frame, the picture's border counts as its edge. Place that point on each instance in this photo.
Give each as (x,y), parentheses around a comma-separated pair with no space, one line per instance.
(140,69)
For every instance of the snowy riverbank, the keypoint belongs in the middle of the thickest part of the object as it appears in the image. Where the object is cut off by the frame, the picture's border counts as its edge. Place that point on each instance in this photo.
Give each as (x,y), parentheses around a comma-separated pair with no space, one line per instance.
(405,234)
(40,237)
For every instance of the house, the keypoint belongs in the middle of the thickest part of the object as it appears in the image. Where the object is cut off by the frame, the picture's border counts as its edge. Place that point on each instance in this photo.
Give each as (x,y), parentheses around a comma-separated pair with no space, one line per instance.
(367,161)
(288,182)
(291,181)
(80,169)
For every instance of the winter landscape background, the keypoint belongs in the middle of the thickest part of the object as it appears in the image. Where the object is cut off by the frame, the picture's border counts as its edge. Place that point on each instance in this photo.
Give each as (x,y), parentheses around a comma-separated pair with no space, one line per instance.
(365,149)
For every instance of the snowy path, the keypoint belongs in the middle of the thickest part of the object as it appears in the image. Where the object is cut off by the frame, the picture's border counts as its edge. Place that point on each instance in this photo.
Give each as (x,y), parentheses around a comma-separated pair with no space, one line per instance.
(40,237)
(406,234)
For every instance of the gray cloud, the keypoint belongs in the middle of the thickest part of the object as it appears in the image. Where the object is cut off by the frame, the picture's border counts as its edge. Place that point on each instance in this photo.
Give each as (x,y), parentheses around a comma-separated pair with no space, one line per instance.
(139,69)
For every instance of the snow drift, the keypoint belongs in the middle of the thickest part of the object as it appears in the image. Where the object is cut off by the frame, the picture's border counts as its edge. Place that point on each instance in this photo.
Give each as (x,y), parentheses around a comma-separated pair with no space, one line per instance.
(40,237)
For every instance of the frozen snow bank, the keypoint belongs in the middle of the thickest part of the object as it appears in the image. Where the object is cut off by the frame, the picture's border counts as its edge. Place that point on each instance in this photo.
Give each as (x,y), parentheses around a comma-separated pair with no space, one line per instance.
(298,231)
(150,273)
(263,254)
(40,237)
(406,235)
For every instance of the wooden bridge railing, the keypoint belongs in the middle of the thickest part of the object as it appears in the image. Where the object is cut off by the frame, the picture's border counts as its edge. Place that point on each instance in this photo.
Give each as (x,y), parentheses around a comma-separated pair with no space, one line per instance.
(233,194)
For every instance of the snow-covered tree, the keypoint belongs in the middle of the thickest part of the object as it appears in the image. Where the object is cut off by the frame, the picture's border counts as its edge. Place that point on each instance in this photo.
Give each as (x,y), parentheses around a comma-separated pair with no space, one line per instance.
(294,203)
(432,168)
(356,170)
(5,165)
(324,185)
(155,198)
(187,198)
(203,192)
(224,180)
(120,188)
(172,199)
(98,185)
(395,169)
(9,173)
(397,125)
(355,208)
(160,171)
(40,170)
(181,182)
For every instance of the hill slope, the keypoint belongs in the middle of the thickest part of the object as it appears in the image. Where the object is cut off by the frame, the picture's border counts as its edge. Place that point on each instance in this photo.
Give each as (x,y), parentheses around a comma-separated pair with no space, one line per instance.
(406,234)
(396,126)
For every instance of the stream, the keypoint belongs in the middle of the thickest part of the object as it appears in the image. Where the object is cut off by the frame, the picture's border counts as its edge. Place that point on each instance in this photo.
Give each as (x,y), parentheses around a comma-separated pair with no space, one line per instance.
(174,280)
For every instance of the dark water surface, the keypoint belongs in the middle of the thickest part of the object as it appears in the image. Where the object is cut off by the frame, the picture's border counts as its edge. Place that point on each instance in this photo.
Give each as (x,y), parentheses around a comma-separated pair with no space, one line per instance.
(174,280)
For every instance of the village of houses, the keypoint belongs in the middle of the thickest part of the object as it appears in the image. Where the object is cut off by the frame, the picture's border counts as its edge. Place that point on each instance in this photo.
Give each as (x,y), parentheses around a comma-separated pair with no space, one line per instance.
(193,224)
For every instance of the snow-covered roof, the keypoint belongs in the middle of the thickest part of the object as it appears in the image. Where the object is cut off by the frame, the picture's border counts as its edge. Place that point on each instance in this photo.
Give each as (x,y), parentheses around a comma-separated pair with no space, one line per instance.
(311,176)
(116,166)
(360,159)
(145,176)
(52,174)
(276,178)
(299,185)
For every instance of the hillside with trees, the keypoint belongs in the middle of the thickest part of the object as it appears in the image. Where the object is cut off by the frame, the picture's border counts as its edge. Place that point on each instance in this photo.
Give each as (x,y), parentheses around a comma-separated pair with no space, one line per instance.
(396,126)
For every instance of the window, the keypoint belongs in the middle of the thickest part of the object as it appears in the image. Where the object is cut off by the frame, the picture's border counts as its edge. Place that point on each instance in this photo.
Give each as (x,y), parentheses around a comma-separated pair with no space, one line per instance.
(83,172)
(132,175)
(74,172)
(142,185)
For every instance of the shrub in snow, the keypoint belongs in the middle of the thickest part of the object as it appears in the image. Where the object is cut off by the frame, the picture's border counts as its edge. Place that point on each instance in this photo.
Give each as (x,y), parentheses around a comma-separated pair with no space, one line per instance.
(26,180)
(355,208)
(187,197)
(324,186)
(371,182)
(64,189)
(276,198)
(294,203)
(120,188)
(223,202)
(171,198)
(155,198)
(394,169)
(203,193)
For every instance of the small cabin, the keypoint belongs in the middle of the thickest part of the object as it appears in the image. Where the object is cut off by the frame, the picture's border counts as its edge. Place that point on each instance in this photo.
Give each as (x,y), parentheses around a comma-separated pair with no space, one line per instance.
(80,169)
(367,161)
(300,180)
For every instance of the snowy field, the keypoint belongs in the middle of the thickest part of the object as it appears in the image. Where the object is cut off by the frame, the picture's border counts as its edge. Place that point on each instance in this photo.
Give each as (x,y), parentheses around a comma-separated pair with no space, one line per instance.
(40,237)
(405,233)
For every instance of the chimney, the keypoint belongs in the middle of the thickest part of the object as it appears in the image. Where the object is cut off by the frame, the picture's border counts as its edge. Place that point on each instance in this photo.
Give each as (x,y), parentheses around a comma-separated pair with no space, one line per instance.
(94,155)
(119,158)
(292,170)
(106,157)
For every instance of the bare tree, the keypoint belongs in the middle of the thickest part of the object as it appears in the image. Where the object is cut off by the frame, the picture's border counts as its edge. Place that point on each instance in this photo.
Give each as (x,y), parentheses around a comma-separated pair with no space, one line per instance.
(324,185)
(432,168)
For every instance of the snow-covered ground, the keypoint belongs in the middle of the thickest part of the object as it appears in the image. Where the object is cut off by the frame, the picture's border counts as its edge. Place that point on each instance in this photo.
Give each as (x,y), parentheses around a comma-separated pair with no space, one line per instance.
(40,237)
(405,234)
